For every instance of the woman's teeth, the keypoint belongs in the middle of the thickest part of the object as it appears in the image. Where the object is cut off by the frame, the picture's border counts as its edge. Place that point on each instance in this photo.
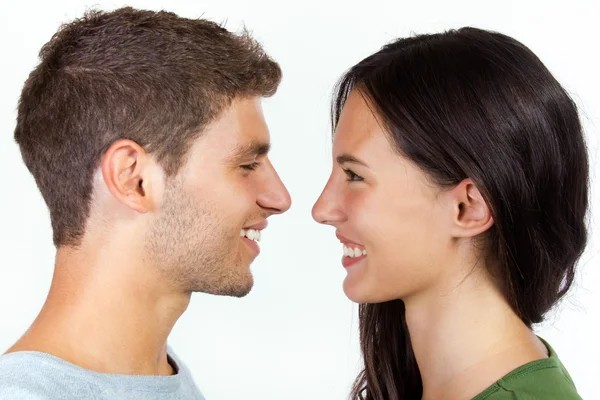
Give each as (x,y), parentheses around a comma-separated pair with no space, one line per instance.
(353,253)
(252,234)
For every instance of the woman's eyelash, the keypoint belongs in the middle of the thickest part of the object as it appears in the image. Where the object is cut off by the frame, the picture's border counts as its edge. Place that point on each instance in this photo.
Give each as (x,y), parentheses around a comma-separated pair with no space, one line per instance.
(250,167)
(352,177)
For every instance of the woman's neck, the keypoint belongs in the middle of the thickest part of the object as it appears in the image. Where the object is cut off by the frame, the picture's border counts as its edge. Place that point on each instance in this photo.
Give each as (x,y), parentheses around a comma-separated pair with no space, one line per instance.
(465,337)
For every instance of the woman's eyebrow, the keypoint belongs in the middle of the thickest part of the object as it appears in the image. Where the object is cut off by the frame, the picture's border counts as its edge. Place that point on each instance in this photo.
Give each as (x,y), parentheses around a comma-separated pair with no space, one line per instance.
(347,158)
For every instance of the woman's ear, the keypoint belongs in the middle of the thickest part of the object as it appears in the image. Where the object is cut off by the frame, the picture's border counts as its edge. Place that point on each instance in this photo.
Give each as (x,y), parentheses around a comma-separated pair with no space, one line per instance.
(470,213)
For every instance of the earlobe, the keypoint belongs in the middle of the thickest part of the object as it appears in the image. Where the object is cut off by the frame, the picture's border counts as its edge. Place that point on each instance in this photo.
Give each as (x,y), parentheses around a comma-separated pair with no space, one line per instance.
(472,214)
(125,172)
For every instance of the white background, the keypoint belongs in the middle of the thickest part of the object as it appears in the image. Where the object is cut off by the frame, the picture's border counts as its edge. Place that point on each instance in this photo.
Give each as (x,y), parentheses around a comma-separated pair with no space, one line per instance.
(295,336)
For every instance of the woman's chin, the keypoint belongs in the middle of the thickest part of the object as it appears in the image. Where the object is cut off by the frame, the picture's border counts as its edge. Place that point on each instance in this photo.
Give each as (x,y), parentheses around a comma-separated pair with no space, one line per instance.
(359,293)
(353,291)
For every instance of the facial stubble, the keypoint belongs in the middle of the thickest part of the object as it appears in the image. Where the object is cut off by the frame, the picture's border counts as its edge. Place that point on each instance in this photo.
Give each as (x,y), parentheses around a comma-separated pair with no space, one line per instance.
(195,248)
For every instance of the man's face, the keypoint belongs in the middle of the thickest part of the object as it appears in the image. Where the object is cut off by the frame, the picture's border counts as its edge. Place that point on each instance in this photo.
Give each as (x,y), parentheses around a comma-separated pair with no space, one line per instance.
(226,187)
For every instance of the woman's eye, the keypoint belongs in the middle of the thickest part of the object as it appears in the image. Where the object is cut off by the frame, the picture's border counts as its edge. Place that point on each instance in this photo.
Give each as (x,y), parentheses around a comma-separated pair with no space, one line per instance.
(352,177)
(250,167)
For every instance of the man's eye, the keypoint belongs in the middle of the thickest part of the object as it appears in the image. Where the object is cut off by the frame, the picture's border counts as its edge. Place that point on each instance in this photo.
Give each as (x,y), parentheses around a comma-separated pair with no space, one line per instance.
(250,167)
(352,177)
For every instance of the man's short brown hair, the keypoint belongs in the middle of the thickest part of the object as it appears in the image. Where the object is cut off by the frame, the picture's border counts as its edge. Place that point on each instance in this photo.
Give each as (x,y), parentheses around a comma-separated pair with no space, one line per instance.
(152,77)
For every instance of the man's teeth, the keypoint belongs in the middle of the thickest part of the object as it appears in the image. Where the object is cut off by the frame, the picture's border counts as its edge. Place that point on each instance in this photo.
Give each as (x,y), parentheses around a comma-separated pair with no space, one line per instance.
(252,234)
(353,253)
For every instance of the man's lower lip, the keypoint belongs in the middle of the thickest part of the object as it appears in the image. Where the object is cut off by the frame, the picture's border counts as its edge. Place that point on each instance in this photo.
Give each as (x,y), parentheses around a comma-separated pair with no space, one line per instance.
(252,244)
(348,261)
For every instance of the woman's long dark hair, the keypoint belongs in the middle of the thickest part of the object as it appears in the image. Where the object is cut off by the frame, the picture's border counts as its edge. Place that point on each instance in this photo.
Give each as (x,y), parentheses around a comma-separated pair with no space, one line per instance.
(470,103)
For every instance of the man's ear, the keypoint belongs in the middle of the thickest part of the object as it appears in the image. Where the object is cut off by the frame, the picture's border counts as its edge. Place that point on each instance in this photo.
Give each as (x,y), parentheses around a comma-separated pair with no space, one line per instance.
(127,173)
(470,213)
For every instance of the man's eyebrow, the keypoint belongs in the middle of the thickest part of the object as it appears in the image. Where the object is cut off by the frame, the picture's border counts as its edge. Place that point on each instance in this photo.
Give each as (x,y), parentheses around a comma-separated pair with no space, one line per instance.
(347,158)
(250,150)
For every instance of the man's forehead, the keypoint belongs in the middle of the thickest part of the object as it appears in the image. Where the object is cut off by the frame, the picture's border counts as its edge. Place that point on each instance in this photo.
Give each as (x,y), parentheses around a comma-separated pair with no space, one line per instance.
(240,131)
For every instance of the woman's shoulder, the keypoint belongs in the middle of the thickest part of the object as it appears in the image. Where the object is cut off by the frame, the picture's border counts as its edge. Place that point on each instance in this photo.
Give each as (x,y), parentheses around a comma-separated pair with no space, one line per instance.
(545,379)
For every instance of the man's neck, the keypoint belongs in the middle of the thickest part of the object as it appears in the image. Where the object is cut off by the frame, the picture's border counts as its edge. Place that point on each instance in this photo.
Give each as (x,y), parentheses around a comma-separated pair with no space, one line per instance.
(106,314)
(466,337)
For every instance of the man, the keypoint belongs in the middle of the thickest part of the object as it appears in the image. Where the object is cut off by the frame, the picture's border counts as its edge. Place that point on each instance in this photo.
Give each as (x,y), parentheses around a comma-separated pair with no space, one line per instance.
(145,135)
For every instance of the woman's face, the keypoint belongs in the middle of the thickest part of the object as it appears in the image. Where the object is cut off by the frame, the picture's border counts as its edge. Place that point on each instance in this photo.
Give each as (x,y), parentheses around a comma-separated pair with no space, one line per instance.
(392,219)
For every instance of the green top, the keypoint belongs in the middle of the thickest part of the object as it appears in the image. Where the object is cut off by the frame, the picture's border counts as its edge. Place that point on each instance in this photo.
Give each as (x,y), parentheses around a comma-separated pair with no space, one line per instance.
(545,379)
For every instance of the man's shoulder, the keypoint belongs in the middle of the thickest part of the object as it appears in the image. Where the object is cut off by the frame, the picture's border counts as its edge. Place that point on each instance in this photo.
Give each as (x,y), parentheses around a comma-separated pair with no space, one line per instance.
(36,376)
(186,375)
(24,367)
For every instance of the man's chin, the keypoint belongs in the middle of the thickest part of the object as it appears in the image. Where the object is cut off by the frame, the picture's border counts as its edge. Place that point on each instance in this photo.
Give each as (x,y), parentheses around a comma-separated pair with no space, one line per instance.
(241,288)
(240,293)
(238,288)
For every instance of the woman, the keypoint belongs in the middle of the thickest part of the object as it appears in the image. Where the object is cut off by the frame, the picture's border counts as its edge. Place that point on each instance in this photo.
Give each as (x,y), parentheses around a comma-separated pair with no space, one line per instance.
(459,191)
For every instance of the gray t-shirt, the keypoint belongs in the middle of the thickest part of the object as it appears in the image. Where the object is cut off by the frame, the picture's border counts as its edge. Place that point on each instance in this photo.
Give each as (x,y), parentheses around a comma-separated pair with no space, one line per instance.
(32,375)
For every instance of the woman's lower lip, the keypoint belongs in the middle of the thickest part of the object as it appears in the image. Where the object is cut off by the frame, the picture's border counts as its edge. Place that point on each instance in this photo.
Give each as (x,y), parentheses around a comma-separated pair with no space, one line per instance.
(349,261)
(252,244)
